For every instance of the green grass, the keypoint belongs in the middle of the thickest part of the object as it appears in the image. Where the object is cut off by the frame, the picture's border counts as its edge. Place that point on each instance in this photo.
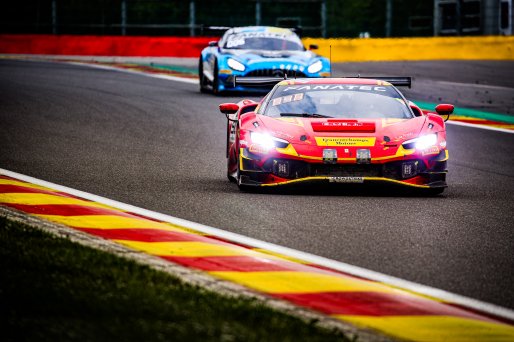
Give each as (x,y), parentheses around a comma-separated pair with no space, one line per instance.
(52,289)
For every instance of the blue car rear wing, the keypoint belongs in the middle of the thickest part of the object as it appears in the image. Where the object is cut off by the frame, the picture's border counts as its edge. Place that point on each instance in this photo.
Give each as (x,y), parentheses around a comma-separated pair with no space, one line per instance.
(257,81)
(398,81)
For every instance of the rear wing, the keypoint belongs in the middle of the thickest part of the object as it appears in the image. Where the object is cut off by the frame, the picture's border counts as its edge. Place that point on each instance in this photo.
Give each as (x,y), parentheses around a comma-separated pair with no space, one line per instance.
(257,81)
(213,29)
(397,81)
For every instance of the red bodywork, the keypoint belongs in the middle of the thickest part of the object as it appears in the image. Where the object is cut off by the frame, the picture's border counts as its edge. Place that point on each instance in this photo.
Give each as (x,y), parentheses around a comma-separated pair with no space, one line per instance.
(301,156)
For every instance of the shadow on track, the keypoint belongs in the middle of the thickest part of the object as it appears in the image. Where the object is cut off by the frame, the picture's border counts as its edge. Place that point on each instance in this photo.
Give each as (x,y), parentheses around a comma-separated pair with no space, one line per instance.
(346,190)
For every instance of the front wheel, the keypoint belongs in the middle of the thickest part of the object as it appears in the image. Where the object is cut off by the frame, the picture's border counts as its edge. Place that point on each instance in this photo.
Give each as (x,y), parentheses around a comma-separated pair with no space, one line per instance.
(230,175)
(215,80)
(201,77)
(243,187)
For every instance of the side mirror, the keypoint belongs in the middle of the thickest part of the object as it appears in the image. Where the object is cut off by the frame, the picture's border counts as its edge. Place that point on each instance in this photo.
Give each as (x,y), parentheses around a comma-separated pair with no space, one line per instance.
(313,47)
(444,109)
(229,108)
(213,43)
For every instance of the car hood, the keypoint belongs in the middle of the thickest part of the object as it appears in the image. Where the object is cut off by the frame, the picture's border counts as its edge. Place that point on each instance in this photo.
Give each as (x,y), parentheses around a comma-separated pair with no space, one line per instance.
(253,56)
(306,134)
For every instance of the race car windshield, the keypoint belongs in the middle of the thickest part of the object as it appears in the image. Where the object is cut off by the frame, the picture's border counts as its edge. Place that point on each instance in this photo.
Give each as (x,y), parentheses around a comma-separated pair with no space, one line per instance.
(337,101)
(269,43)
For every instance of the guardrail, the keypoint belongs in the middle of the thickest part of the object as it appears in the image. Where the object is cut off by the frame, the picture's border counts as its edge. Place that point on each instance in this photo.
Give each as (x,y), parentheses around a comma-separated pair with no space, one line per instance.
(103,45)
(343,50)
(416,49)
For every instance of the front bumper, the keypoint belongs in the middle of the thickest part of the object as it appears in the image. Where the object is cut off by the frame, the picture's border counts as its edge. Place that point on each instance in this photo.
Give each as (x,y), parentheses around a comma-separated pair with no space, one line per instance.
(423,173)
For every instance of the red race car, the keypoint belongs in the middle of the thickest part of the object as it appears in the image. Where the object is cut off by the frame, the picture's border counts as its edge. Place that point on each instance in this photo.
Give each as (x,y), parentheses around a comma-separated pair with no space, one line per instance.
(335,130)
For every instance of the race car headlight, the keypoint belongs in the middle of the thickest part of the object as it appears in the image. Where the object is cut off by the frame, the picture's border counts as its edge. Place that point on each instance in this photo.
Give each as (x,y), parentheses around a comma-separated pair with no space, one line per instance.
(267,141)
(315,67)
(421,143)
(233,64)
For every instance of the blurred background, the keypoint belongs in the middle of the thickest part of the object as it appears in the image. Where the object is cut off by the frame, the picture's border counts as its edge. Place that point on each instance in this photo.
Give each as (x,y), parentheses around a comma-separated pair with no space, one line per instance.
(317,18)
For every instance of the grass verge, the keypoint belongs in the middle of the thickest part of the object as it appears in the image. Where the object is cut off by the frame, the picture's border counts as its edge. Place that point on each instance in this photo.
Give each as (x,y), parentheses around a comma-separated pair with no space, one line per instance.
(52,289)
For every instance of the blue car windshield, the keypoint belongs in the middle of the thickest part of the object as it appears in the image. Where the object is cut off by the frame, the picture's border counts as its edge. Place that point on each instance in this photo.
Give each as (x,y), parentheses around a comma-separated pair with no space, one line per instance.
(337,101)
(248,41)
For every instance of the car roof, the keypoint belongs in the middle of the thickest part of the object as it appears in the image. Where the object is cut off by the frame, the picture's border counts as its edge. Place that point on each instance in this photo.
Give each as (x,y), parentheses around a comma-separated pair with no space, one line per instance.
(335,80)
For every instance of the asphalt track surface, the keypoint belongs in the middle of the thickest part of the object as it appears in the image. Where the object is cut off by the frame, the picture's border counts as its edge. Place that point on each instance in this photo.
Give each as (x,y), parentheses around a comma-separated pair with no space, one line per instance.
(482,85)
(159,144)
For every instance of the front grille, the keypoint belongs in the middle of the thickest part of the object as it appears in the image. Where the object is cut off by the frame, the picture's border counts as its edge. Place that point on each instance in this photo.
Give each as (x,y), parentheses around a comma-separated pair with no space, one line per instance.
(299,169)
(275,73)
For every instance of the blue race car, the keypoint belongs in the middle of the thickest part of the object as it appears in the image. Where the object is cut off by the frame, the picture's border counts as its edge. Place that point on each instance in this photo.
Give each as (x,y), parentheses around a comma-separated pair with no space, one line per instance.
(257,51)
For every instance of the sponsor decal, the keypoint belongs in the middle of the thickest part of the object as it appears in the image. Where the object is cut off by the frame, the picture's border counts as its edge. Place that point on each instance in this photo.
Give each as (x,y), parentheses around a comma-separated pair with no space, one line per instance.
(409,169)
(405,136)
(232,136)
(238,39)
(346,179)
(234,41)
(298,97)
(391,121)
(288,98)
(336,87)
(347,141)
(256,148)
(342,123)
(430,150)
(293,121)
(282,135)
(279,30)
(343,126)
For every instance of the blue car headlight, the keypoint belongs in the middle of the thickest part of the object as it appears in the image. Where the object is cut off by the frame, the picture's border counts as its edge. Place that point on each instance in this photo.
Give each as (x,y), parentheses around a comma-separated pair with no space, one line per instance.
(233,64)
(315,67)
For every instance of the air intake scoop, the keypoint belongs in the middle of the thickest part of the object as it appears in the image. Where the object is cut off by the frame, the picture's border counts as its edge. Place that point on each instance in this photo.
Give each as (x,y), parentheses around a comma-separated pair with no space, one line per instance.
(343,126)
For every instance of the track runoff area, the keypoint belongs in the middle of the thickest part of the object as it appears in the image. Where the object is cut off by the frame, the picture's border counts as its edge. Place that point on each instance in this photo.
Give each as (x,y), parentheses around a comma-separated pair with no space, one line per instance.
(364,298)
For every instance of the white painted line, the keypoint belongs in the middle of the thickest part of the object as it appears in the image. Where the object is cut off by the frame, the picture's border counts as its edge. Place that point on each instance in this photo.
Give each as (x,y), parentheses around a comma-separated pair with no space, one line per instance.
(466,124)
(475,85)
(142,73)
(310,258)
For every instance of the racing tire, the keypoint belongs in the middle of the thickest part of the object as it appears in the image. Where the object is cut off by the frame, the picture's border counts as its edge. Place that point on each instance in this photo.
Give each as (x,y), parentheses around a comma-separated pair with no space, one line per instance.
(215,80)
(242,187)
(201,77)
(238,175)
(230,176)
